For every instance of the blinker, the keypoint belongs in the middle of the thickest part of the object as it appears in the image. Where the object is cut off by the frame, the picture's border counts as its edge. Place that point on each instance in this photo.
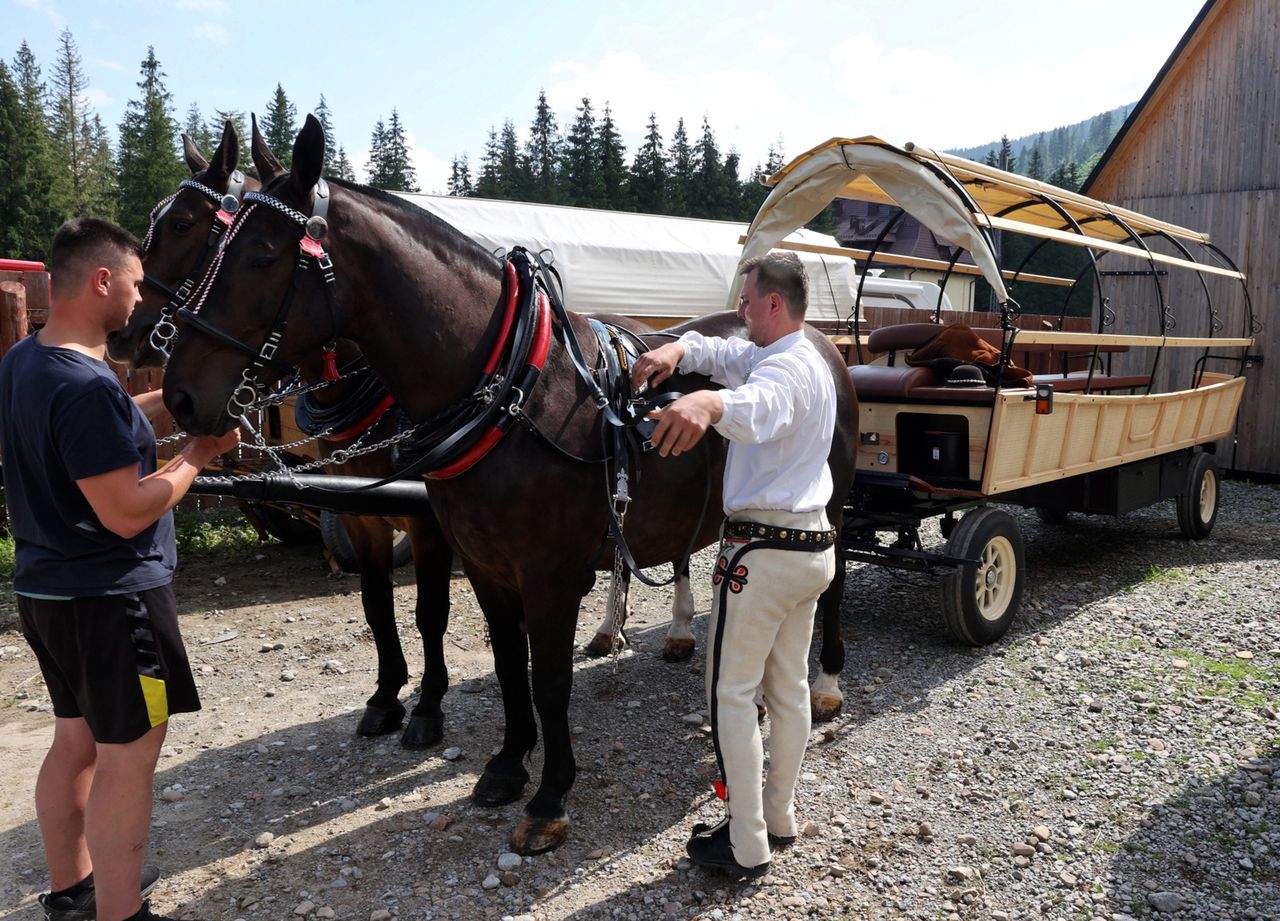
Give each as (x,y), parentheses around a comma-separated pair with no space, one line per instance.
(317,228)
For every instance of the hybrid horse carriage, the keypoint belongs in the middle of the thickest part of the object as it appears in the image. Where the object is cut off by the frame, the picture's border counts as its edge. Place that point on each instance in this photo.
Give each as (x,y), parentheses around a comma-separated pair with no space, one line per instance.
(950,425)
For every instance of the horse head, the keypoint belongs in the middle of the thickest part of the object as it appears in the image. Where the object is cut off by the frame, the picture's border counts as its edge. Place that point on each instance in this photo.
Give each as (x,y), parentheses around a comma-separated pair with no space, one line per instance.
(184,232)
(267,301)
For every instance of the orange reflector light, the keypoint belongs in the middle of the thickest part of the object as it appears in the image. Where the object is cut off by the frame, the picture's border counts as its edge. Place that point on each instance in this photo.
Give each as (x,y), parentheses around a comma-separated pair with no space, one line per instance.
(1044,399)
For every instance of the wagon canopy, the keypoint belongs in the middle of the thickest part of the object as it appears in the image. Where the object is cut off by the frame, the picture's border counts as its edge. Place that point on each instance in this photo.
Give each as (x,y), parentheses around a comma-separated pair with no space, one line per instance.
(640,265)
(958,200)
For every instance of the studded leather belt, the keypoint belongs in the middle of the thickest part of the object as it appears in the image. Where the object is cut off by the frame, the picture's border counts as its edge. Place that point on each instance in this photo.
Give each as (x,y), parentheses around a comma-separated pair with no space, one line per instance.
(798,538)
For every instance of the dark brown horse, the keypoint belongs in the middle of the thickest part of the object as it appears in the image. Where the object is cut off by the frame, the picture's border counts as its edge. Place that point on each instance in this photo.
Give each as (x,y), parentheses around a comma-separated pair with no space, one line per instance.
(179,249)
(426,306)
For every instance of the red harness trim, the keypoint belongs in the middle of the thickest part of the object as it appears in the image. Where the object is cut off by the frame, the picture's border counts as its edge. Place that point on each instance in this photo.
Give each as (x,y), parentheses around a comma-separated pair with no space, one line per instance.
(387,402)
(537,358)
(508,318)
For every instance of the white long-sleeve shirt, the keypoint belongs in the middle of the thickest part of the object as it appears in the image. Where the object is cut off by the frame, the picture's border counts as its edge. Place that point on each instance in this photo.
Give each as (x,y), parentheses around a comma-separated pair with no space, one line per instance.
(779,415)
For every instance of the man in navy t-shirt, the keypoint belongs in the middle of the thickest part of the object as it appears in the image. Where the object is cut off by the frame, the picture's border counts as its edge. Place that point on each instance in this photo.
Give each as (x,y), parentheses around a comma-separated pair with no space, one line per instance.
(93,535)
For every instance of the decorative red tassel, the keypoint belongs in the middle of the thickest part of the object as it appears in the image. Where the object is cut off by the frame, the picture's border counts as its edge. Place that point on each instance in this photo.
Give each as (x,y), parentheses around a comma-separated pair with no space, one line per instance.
(720,790)
(330,365)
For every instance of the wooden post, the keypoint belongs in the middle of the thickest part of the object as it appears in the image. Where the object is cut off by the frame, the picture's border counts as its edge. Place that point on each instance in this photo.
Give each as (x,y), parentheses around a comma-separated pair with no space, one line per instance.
(13,314)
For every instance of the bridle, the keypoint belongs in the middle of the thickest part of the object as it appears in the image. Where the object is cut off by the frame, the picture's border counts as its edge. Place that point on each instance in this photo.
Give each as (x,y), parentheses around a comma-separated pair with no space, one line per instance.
(311,252)
(228,204)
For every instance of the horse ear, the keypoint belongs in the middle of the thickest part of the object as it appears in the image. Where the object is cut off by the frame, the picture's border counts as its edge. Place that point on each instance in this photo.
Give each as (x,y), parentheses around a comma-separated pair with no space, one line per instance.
(227,156)
(268,166)
(195,159)
(308,154)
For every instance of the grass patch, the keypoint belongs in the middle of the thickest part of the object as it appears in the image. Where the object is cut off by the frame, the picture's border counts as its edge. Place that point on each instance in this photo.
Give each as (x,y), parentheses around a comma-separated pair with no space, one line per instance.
(214,532)
(7,563)
(1159,575)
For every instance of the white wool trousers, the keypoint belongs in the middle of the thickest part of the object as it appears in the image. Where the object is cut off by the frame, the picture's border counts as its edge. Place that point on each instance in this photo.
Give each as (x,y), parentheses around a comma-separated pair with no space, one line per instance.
(761,627)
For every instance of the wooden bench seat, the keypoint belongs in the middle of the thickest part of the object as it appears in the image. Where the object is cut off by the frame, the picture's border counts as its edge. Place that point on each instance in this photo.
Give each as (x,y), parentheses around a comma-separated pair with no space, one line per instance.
(899,384)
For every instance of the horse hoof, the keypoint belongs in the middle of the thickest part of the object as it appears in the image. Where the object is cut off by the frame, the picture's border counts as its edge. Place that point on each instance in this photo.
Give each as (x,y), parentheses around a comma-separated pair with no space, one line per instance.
(497,790)
(537,836)
(824,705)
(422,732)
(378,721)
(676,650)
(602,644)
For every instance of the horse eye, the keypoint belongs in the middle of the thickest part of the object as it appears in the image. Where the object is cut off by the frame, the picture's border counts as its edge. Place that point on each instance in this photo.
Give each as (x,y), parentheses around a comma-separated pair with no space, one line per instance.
(261,262)
(182,226)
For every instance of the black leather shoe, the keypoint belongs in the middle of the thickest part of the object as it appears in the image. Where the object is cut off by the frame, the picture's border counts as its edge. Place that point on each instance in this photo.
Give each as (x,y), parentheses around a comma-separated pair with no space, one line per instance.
(711,848)
(780,842)
(83,905)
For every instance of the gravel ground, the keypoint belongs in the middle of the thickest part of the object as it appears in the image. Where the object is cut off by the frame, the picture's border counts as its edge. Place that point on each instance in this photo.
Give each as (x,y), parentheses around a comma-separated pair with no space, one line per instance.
(1112,757)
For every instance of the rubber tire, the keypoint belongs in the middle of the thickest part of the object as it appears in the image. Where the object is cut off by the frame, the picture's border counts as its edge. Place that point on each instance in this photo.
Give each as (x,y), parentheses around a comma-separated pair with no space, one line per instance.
(338,543)
(991,535)
(1051,515)
(1198,503)
(290,529)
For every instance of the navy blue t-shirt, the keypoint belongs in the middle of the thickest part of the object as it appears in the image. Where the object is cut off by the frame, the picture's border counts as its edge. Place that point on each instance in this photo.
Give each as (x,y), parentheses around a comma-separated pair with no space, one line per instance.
(65,417)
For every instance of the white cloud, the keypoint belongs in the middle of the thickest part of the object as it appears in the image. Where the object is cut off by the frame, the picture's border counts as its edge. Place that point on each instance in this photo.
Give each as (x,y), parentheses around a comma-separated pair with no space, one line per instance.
(48,8)
(432,172)
(203,7)
(212,31)
(108,64)
(98,98)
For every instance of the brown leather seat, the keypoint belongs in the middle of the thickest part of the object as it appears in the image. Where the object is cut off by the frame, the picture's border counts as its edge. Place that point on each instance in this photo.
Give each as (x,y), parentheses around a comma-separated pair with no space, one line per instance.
(877,382)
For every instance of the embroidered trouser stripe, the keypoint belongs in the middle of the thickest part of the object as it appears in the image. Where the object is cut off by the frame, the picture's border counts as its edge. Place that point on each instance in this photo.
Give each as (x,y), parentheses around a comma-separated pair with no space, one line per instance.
(150,676)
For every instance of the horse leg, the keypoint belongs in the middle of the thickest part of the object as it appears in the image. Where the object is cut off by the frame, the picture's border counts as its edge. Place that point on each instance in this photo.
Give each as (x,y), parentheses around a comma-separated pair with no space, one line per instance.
(545,821)
(504,776)
(432,565)
(678,645)
(825,698)
(606,641)
(371,541)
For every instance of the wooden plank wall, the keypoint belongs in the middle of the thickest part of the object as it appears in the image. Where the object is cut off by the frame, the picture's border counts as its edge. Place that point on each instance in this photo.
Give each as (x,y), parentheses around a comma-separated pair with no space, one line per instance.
(1205,153)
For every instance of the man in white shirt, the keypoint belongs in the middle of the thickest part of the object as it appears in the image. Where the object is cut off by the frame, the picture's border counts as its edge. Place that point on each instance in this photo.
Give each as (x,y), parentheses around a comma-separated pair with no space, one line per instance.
(777,550)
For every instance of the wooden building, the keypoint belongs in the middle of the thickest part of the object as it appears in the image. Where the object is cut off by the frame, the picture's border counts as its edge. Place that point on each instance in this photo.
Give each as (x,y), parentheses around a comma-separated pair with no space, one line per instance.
(1202,149)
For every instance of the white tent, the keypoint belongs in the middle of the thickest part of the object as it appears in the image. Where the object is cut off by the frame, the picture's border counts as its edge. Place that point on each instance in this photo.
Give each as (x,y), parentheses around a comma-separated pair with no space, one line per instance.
(641,265)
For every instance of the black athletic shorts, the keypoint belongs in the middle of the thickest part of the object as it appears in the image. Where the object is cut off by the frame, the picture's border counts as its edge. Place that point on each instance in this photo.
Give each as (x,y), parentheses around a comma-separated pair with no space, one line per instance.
(115,660)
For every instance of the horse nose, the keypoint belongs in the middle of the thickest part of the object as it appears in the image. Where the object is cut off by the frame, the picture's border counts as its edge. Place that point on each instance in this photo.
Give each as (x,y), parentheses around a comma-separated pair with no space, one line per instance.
(181,405)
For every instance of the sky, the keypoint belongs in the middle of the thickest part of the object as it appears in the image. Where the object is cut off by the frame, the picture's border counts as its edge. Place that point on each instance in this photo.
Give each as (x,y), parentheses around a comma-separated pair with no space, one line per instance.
(791,74)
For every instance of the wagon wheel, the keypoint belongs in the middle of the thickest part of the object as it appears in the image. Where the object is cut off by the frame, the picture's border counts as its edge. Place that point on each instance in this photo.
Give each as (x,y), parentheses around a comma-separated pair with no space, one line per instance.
(1198,502)
(979,601)
(338,543)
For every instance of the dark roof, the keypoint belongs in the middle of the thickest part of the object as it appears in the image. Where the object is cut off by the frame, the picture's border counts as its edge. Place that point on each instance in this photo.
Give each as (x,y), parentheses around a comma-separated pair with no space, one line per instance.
(1136,113)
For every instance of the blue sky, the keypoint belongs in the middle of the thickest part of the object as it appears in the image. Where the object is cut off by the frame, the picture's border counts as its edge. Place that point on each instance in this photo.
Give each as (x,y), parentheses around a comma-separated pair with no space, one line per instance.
(943,74)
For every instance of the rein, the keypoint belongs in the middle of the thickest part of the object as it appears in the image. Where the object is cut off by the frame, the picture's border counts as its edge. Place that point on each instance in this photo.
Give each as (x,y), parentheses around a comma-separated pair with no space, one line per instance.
(228,204)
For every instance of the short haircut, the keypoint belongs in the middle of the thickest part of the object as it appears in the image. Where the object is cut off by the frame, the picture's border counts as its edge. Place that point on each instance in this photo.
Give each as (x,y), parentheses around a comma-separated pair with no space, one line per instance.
(782,274)
(84,244)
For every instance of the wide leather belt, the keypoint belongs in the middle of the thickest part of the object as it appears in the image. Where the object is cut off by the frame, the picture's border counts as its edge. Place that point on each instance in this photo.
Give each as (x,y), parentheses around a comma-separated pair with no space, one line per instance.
(797,538)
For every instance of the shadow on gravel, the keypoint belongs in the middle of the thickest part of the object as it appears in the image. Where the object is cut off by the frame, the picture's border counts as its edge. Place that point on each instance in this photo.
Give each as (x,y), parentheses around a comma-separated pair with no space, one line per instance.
(1212,850)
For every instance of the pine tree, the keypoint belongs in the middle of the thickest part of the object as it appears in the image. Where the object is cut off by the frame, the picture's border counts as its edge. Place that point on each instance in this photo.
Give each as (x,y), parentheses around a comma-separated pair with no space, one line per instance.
(489,182)
(731,189)
(542,153)
(648,180)
(1035,164)
(31,225)
(100,170)
(580,176)
(15,195)
(706,195)
(460,178)
(389,162)
(278,126)
(68,111)
(342,168)
(754,191)
(199,131)
(611,156)
(680,171)
(515,181)
(1005,159)
(1066,176)
(325,117)
(149,167)
(237,118)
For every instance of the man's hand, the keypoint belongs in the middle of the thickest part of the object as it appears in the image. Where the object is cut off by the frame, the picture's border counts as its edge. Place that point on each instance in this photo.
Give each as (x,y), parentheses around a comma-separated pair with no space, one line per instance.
(654,367)
(204,448)
(682,424)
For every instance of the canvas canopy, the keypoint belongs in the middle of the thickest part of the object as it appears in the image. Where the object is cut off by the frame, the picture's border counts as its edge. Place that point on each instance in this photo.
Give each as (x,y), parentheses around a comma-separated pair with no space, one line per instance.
(640,265)
(960,201)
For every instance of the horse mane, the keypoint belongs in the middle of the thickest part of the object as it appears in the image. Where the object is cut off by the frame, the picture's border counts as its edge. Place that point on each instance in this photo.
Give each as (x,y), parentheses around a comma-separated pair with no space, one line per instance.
(429,224)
